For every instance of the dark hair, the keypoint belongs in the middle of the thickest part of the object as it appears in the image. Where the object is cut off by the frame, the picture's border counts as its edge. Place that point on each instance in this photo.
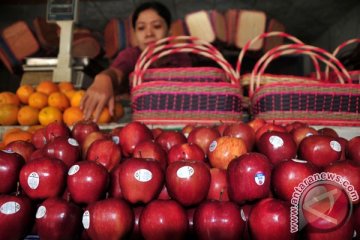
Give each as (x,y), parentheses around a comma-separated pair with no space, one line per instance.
(158,7)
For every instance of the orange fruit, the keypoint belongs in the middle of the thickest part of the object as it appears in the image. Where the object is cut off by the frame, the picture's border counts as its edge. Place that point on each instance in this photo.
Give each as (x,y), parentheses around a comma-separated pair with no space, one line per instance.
(38,100)
(72,115)
(58,100)
(118,112)
(47,87)
(65,86)
(10,130)
(2,145)
(33,128)
(69,94)
(9,98)
(28,115)
(76,98)
(17,135)
(49,114)
(24,92)
(224,149)
(8,114)
(104,117)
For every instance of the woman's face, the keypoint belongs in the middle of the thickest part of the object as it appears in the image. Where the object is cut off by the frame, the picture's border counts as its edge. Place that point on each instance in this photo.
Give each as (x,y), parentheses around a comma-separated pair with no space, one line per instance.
(149,28)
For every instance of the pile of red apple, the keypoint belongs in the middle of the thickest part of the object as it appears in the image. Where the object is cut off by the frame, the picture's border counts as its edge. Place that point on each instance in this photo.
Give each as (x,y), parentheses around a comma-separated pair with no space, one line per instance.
(229,181)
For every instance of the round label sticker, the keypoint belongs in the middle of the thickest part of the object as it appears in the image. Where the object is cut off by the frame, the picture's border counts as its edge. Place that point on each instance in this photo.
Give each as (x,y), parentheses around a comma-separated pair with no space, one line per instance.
(74,169)
(9,208)
(73,142)
(86,219)
(260,178)
(33,180)
(143,175)
(335,145)
(212,146)
(115,139)
(276,141)
(185,172)
(40,213)
(8,151)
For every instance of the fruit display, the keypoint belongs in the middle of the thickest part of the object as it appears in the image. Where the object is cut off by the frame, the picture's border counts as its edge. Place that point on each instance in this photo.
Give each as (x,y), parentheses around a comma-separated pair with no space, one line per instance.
(253,180)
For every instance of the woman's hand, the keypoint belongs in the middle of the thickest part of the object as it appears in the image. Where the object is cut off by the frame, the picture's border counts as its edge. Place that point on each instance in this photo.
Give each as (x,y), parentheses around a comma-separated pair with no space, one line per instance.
(99,95)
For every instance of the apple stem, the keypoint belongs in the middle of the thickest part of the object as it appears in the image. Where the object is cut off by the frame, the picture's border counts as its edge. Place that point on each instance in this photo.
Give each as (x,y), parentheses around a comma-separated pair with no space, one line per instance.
(17,193)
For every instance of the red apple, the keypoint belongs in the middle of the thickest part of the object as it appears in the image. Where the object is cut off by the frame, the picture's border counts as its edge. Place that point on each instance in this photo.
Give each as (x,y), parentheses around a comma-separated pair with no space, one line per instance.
(114,189)
(168,139)
(270,219)
(105,152)
(349,172)
(16,216)
(187,129)
(163,220)
(108,219)
(64,148)
(353,149)
(224,149)
(43,178)
(277,146)
(243,131)
(218,189)
(203,136)
(56,129)
(256,123)
(151,149)
(37,154)
(320,150)
(140,179)
(221,127)
(156,132)
(185,151)
(249,177)
(57,218)
(326,131)
(268,127)
(87,182)
(287,176)
(89,139)
(218,220)
(24,148)
(82,128)
(343,142)
(131,135)
(38,138)
(302,132)
(10,166)
(190,177)
(295,125)
(343,231)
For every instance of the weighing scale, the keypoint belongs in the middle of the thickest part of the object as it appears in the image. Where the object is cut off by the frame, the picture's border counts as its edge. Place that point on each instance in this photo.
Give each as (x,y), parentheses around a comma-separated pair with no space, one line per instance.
(63,68)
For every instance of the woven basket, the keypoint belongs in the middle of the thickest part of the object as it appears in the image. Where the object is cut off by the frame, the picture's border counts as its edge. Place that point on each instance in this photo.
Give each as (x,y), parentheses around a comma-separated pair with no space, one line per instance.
(184,95)
(318,103)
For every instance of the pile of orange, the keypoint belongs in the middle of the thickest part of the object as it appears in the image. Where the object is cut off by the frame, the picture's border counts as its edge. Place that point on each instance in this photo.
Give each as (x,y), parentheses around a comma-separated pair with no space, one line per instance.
(45,103)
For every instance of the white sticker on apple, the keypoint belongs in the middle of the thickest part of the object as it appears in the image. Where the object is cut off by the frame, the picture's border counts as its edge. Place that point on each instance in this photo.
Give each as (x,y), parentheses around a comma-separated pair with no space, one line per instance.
(73,142)
(185,172)
(33,180)
(143,175)
(276,141)
(10,208)
(8,151)
(212,146)
(74,169)
(335,145)
(115,139)
(260,178)
(40,213)
(86,219)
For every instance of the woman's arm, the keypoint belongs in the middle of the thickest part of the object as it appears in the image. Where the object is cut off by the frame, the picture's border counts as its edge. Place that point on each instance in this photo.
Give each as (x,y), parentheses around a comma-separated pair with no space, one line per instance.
(101,93)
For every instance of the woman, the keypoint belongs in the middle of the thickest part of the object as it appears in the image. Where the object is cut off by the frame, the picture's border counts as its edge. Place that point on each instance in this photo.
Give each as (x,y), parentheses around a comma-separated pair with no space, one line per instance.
(151,22)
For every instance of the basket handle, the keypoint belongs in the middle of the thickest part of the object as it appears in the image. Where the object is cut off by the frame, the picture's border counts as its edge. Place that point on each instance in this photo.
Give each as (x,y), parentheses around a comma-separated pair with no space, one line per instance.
(286,49)
(272,34)
(339,48)
(171,45)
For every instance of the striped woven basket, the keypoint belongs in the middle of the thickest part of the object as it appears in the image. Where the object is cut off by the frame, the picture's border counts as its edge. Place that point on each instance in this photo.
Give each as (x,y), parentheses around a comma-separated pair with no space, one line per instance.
(318,103)
(184,95)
